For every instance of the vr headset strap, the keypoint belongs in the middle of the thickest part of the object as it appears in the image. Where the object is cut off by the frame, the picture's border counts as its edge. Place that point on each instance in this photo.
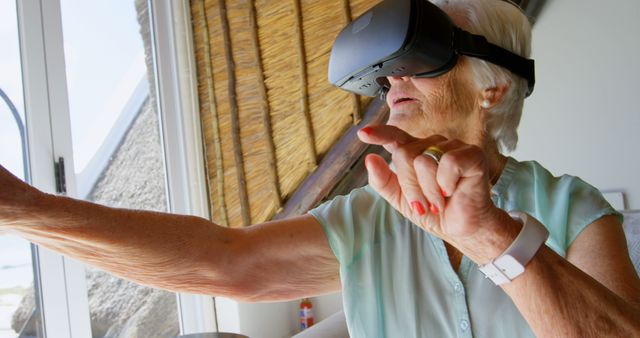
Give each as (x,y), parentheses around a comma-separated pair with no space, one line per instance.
(469,44)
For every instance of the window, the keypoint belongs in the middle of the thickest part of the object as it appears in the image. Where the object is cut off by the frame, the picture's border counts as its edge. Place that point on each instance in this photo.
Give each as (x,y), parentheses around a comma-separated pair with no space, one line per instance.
(18,310)
(99,115)
(117,154)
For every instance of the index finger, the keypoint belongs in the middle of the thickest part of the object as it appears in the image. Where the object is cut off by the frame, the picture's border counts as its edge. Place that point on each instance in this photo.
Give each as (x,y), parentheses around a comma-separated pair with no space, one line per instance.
(384,135)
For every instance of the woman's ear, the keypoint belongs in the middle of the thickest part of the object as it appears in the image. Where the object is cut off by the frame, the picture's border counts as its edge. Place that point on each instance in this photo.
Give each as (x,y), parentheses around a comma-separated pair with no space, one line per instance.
(490,97)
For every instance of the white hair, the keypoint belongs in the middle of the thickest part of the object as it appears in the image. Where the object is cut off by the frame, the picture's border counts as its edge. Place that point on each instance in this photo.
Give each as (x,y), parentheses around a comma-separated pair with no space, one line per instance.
(503,24)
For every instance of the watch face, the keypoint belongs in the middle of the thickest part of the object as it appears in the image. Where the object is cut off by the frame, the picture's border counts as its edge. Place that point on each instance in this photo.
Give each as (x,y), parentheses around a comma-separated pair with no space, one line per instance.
(509,266)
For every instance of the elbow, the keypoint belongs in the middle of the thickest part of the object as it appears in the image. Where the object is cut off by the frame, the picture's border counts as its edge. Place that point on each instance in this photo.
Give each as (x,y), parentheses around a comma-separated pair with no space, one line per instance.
(232,268)
(243,282)
(227,269)
(237,288)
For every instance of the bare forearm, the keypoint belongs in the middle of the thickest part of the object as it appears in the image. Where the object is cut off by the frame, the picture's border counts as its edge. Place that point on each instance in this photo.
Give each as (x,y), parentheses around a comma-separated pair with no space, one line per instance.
(156,249)
(559,300)
(174,252)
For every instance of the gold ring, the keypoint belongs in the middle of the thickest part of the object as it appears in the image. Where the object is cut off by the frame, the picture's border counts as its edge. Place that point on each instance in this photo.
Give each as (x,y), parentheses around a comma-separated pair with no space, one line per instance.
(435,153)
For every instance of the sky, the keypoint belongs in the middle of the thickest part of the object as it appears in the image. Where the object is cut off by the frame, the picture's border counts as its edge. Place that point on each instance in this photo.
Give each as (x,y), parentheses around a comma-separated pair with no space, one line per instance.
(15,255)
(104,61)
(11,84)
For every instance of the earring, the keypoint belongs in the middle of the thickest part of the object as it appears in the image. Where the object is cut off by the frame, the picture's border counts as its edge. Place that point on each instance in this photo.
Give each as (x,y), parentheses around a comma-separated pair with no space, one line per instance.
(485,104)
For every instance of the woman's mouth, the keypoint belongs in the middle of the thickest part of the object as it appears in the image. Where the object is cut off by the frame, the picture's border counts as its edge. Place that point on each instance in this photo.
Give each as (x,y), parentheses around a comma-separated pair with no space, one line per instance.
(402,100)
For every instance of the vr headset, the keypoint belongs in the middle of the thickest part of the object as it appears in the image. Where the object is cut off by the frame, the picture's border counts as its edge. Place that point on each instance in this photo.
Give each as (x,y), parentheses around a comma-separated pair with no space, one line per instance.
(409,38)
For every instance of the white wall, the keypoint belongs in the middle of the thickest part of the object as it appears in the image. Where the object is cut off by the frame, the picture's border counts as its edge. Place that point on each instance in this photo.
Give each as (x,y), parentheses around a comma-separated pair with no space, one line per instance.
(584,115)
(271,320)
(268,320)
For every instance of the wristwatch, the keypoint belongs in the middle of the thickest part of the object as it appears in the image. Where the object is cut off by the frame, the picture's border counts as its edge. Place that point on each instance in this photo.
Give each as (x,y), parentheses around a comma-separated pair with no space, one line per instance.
(512,262)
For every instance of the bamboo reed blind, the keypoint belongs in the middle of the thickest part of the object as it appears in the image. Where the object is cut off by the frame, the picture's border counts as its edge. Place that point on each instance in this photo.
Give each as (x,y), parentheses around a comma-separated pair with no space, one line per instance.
(268,112)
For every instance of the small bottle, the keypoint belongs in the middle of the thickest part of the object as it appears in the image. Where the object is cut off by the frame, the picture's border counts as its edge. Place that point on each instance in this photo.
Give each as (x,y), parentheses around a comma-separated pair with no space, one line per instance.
(306,314)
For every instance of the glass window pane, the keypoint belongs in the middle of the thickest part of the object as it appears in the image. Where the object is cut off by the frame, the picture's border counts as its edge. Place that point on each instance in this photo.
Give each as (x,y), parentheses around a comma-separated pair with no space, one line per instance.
(18,314)
(116,144)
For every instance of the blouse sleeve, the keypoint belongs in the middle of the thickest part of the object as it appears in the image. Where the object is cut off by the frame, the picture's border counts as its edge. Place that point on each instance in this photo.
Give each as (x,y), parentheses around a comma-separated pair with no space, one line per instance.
(349,222)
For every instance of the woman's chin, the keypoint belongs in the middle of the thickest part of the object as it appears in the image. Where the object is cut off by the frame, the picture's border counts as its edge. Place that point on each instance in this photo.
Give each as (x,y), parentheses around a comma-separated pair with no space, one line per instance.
(406,121)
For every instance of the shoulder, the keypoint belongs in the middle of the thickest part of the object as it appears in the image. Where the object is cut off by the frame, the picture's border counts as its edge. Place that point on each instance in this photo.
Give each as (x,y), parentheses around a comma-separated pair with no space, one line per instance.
(565,204)
(354,205)
(355,221)
(359,204)
(532,178)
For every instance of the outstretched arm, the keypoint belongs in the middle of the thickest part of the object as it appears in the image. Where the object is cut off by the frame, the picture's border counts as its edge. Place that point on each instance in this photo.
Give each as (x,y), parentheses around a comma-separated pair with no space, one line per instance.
(274,261)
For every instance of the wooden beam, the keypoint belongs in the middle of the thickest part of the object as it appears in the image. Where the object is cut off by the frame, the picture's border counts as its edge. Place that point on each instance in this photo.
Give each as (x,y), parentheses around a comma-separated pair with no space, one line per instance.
(357,176)
(334,166)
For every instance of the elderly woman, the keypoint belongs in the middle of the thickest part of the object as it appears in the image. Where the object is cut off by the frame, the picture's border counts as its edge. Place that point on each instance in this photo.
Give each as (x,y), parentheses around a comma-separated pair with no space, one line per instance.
(411,250)
(430,280)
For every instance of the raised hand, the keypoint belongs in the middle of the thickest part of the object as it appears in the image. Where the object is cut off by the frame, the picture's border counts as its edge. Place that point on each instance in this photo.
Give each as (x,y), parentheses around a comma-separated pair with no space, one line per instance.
(450,199)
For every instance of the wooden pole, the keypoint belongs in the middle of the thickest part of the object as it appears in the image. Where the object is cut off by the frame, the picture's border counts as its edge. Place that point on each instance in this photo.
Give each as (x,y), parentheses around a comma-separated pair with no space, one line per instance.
(340,158)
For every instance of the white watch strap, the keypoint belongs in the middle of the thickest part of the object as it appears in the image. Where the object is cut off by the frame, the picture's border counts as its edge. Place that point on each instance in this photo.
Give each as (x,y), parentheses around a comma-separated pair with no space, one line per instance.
(512,262)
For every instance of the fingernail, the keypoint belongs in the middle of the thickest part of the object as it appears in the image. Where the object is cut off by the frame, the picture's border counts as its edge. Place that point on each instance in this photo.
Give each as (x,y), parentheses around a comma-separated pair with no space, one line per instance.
(434,209)
(366,130)
(417,208)
(444,193)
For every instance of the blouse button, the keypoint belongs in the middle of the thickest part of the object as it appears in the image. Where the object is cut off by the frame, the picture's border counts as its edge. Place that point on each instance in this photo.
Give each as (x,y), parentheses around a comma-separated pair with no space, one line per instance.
(458,288)
(464,325)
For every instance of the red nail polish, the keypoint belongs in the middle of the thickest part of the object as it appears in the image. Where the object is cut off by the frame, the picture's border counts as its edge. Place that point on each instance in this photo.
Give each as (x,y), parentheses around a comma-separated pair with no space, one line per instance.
(434,209)
(417,208)
(367,130)
(444,193)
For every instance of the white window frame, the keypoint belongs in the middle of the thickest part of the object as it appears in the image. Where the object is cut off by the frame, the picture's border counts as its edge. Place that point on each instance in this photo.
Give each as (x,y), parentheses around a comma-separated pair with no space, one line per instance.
(176,86)
(61,281)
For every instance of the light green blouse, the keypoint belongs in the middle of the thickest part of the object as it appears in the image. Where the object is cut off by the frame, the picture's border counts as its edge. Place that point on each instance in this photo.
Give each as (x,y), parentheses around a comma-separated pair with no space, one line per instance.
(397,280)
